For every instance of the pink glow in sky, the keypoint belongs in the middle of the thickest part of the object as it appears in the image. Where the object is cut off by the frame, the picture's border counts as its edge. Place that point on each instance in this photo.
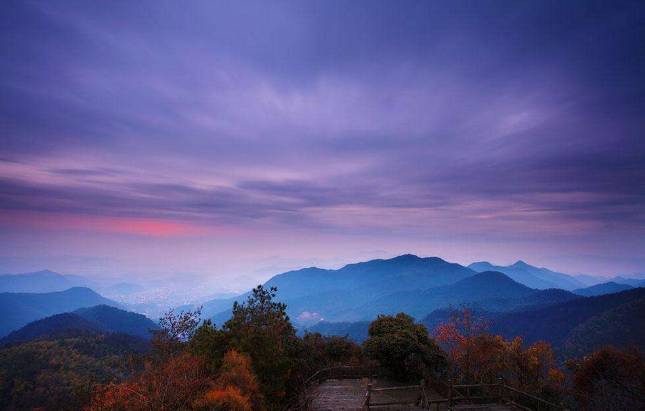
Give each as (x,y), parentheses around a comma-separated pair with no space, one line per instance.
(145,227)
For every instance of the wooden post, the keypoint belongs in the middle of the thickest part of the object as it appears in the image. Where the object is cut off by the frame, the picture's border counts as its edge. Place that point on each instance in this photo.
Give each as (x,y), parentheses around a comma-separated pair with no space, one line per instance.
(369,395)
(500,386)
(450,393)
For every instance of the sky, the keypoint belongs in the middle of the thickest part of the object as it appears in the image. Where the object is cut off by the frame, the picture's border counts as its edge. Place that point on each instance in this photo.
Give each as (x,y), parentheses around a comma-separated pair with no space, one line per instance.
(230,141)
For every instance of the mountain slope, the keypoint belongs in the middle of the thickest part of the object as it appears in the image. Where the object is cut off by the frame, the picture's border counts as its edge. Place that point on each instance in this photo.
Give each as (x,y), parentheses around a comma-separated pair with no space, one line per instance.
(554,323)
(62,373)
(19,309)
(534,277)
(115,320)
(488,289)
(601,289)
(574,327)
(621,326)
(57,326)
(85,321)
(40,282)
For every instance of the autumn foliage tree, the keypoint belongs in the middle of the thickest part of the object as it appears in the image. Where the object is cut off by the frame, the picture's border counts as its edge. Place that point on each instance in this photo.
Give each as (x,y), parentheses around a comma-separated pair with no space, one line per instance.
(478,356)
(174,384)
(173,378)
(236,387)
(255,361)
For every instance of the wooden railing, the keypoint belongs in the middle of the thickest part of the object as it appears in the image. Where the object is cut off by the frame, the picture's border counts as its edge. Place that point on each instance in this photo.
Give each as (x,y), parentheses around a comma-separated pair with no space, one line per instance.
(421,399)
(499,392)
(456,393)
(528,401)
(339,373)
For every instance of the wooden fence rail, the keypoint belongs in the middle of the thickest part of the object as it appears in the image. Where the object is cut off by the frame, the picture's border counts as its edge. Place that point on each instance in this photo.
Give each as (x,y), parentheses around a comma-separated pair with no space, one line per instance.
(421,399)
(460,393)
(468,394)
(456,393)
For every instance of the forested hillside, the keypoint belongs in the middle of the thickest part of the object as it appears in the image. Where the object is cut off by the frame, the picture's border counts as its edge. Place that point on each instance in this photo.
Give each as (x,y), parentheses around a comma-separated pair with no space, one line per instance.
(97,319)
(19,309)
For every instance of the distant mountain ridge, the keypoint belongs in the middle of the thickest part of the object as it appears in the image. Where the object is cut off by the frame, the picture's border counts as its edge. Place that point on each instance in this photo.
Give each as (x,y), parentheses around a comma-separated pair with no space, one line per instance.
(43,281)
(604,288)
(332,294)
(406,283)
(356,331)
(634,282)
(531,276)
(19,309)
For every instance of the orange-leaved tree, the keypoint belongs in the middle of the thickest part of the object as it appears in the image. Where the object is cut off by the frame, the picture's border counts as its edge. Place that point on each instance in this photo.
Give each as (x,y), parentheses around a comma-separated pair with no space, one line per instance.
(171,385)
(478,356)
(236,388)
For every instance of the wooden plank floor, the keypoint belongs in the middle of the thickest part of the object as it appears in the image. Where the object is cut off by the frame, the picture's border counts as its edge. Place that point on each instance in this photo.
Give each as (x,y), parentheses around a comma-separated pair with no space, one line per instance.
(349,394)
(339,395)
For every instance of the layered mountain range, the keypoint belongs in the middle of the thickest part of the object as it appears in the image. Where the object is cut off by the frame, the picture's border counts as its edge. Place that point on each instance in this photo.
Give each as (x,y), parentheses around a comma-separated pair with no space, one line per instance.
(575,327)
(519,299)
(19,309)
(418,286)
(516,300)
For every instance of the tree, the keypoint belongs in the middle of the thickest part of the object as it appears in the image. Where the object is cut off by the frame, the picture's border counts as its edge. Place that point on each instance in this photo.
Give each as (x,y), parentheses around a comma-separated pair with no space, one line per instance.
(209,343)
(610,379)
(316,352)
(174,384)
(236,387)
(261,328)
(341,351)
(175,330)
(403,347)
(461,325)
(62,374)
(478,356)
(224,399)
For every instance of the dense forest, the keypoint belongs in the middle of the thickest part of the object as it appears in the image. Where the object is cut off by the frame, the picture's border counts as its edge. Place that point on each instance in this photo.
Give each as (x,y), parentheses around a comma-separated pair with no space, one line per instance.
(257,361)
